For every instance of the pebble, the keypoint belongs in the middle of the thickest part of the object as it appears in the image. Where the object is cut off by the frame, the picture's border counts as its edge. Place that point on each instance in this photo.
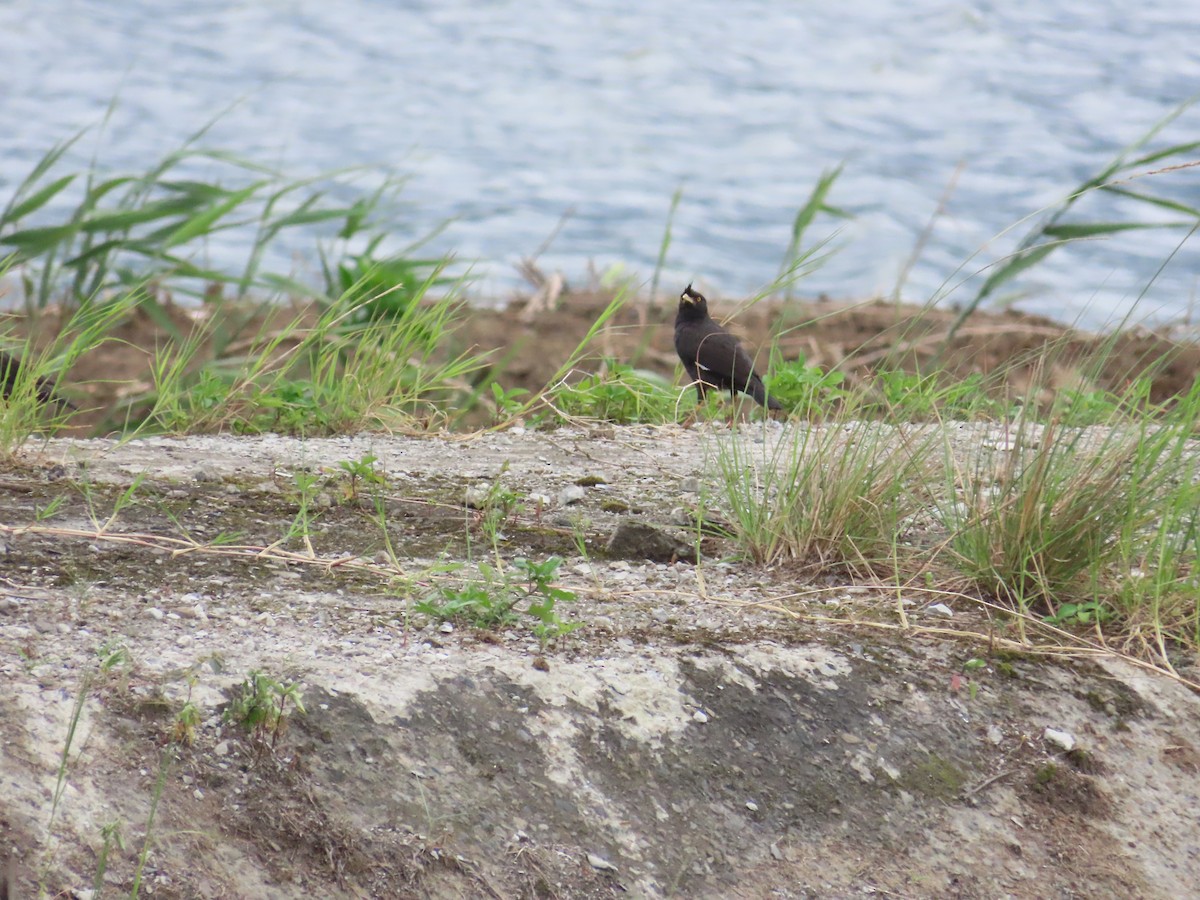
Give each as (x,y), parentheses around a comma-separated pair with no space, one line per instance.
(940,609)
(1064,740)
(690,485)
(447,628)
(572,493)
(155,613)
(600,864)
(700,716)
(476,496)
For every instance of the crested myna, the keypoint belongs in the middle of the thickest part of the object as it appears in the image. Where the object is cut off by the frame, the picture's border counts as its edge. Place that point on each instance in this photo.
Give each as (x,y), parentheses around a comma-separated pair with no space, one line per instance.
(10,371)
(711,355)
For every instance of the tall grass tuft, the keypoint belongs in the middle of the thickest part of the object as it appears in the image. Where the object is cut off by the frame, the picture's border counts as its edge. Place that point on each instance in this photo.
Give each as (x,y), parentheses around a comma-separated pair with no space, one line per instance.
(835,496)
(346,370)
(39,399)
(1047,511)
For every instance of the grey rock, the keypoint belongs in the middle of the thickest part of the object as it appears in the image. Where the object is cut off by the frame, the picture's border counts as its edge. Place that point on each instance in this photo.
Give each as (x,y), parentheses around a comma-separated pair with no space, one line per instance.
(690,485)
(637,540)
(1064,740)
(572,493)
(477,495)
(600,864)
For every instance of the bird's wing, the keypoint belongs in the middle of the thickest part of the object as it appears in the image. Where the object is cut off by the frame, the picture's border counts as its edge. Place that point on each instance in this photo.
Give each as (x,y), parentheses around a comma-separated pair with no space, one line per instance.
(720,353)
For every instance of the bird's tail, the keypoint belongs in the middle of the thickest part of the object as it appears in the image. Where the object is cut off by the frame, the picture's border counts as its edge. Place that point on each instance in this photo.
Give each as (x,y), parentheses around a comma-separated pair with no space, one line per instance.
(758,391)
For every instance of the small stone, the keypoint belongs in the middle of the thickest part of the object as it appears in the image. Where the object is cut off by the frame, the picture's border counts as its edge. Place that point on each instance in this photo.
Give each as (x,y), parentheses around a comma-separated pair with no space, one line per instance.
(776,853)
(572,493)
(700,716)
(155,613)
(637,540)
(995,735)
(940,609)
(690,485)
(538,500)
(477,495)
(682,516)
(752,806)
(222,749)
(447,628)
(1064,740)
(600,864)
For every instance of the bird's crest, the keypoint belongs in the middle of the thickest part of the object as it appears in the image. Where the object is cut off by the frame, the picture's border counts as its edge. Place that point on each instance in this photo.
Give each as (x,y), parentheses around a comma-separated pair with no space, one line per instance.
(689,295)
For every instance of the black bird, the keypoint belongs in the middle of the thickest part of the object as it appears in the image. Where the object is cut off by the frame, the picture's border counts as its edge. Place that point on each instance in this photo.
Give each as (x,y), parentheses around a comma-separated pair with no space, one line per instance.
(10,370)
(711,355)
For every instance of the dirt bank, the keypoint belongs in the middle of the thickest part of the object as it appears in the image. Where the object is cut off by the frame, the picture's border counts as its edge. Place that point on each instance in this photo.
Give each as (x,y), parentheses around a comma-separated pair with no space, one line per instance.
(713,730)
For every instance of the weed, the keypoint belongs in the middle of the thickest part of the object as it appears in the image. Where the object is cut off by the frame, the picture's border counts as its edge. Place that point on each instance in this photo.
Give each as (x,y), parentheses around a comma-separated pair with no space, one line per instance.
(1113,178)
(830,496)
(485,604)
(617,393)
(544,598)
(110,837)
(1043,521)
(493,600)
(159,784)
(362,471)
(913,396)
(186,721)
(260,708)
(307,488)
(508,403)
(808,390)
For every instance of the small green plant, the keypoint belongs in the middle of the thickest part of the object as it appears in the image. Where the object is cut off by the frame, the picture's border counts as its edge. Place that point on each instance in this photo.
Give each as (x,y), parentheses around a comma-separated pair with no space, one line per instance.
(487,603)
(187,720)
(110,837)
(362,471)
(508,403)
(1088,612)
(495,598)
(809,390)
(261,708)
(387,289)
(307,487)
(544,599)
(617,393)
(915,396)
(495,509)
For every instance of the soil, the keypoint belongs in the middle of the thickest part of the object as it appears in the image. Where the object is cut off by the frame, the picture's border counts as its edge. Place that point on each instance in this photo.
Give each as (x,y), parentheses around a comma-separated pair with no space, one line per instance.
(526,350)
(715,729)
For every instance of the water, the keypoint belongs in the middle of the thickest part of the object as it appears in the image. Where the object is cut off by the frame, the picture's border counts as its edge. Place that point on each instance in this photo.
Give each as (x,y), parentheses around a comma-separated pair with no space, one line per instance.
(507,115)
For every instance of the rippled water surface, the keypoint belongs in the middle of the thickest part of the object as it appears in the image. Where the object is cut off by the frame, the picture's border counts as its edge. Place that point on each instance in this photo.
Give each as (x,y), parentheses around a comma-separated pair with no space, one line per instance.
(507,115)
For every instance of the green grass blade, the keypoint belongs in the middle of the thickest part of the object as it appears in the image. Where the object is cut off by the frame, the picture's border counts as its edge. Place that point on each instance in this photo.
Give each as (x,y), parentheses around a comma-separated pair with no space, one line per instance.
(41,198)
(204,222)
(1080,230)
